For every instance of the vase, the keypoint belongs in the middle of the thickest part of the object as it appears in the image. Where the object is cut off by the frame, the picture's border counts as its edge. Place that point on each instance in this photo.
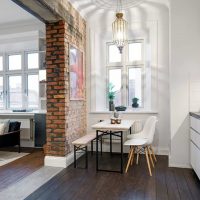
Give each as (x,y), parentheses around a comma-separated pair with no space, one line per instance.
(135,105)
(111,106)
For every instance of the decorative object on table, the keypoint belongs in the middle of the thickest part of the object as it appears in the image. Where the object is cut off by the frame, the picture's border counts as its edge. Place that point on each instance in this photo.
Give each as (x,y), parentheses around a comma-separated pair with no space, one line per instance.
(116,114)
(135,102)
(111,96)
(120,108)
(116,118)
(119,28)
(76,74)
(115,121)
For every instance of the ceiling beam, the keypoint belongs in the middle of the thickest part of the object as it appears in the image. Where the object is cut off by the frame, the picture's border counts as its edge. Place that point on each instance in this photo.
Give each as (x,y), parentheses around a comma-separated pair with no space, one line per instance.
(39,9)
(50,11)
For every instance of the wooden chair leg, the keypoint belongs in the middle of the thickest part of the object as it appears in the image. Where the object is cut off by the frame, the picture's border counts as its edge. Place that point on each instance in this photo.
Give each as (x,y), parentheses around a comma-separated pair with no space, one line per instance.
(132,159)
(138,155)
(137,160)
(129,160)
(147,158)
(153,153)
(150,156)
(129,152)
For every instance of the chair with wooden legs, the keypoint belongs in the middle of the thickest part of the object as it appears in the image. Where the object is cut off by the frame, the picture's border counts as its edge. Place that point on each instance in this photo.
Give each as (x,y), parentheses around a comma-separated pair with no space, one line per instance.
(144,134)
(139,145)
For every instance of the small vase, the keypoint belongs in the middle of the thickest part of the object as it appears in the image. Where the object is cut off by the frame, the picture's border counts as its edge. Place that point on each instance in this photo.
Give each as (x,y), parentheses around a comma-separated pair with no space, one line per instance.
(135,105)
(111,106)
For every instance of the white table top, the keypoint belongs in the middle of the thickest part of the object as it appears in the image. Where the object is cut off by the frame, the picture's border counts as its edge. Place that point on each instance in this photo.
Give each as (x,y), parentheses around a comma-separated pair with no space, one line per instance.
(106,125)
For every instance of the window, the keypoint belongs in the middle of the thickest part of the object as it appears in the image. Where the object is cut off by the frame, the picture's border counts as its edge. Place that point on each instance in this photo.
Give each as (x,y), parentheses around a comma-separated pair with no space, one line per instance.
(15,91)
(135,85)
(14,62)
(1,63)
(115,79)
(114,55)
(135,51)
(33,91)
(1,92)
(19,80)
(33,61)
(126,72)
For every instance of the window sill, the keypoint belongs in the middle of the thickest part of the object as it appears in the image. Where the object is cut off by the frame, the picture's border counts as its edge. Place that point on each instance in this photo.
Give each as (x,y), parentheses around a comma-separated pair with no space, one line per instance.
(126,112)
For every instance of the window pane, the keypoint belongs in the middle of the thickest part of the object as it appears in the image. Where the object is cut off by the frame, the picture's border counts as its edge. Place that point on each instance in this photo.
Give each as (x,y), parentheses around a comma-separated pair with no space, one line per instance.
(33,61)
(114,55)
(42,75)
(15,62)
(33,91)
(1,92)
(135,85)
(15,91)
(1,63)
(135,52)
(115,80)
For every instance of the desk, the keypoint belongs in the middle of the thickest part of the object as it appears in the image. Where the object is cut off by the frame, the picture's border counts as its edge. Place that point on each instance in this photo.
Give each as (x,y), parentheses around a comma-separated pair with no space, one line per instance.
(107,128)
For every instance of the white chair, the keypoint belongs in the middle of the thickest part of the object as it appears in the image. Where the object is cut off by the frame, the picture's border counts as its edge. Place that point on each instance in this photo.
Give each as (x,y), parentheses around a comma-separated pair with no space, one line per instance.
(144,135)
(142,145)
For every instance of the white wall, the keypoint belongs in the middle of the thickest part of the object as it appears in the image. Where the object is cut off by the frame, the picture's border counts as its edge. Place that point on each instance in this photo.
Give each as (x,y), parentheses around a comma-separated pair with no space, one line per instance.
(21,36)
(185,65)
(150,13)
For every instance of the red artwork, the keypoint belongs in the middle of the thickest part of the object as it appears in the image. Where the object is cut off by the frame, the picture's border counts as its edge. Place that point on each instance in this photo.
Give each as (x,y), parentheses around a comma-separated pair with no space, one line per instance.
(76,74)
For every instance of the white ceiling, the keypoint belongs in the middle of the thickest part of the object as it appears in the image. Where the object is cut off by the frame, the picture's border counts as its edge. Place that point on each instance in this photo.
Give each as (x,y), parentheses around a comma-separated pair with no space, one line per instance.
(91,8)
(11,13)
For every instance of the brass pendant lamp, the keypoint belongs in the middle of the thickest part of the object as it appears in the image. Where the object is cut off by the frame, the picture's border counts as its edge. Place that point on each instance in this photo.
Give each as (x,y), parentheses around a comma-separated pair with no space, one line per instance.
(120,28)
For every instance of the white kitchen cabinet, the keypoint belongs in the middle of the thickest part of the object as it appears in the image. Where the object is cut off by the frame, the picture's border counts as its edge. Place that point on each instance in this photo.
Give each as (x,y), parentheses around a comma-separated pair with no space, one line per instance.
(195,144)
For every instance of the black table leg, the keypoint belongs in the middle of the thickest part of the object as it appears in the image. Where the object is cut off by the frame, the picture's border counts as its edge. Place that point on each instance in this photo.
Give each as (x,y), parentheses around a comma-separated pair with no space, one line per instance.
(86,157)
(92,147)
(74,156)
(101,140)
(130,131)
(111,143)
(122,152)
(97,159)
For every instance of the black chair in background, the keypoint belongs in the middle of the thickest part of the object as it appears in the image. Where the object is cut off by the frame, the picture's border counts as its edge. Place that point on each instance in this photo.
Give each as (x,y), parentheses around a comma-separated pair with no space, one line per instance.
(12,138)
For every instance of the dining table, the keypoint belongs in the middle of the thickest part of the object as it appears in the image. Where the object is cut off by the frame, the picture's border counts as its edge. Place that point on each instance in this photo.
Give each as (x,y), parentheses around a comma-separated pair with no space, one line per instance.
(106,128)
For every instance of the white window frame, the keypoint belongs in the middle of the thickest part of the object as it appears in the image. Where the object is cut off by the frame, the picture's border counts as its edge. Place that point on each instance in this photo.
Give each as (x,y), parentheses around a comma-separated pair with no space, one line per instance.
(107,82)
(124,66)
(24,72)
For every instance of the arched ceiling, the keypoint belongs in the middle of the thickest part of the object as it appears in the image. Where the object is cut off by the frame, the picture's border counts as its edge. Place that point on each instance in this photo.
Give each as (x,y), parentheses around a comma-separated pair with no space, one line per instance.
(91,8)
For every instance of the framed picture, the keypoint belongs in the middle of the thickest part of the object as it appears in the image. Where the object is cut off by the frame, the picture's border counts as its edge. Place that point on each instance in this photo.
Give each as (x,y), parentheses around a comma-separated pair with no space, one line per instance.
(76,74)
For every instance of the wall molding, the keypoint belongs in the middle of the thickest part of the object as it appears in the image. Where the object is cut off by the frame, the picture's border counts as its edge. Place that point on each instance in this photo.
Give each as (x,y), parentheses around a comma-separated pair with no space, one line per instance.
(64,162)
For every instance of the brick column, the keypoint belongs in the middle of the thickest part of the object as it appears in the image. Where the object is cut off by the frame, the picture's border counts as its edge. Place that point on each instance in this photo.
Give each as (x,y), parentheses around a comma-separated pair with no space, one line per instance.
(57,88)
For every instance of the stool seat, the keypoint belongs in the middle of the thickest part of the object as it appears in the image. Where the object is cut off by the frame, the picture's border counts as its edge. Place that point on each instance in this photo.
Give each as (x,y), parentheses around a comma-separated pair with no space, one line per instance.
(84,140)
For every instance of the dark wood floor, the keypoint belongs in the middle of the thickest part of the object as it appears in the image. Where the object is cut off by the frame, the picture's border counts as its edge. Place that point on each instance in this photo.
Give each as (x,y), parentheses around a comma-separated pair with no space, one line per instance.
(82,184)
(20,168)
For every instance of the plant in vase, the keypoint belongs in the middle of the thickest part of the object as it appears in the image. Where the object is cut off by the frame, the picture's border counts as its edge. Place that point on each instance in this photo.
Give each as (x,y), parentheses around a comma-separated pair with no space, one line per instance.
(135,102)
(111,96)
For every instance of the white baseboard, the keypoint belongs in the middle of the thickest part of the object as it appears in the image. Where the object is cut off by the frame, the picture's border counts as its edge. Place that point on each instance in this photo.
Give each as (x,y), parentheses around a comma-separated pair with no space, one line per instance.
(178,165)
(64,162)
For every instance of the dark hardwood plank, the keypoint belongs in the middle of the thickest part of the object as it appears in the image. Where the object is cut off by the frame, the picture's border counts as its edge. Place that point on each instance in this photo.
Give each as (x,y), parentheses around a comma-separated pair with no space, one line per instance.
(172,188)
(184,191)
(193,183)
(82,184)
(160,179)
(20,168)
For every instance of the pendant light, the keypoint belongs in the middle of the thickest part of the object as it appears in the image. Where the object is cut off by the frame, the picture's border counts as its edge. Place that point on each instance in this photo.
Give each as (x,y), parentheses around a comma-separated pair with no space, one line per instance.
(119,28)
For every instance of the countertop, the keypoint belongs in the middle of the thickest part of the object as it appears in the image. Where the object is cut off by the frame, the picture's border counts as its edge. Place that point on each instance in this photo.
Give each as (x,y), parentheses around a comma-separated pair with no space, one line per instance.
(195,114)
(11,113)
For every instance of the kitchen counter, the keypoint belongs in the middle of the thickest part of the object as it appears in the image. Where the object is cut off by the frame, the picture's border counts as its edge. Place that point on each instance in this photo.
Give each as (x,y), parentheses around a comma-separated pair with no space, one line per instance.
(195,114)
(31,114)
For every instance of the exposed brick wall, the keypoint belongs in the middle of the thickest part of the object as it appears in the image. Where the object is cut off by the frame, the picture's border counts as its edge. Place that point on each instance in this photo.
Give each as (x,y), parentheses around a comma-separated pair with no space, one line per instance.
(66,120)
